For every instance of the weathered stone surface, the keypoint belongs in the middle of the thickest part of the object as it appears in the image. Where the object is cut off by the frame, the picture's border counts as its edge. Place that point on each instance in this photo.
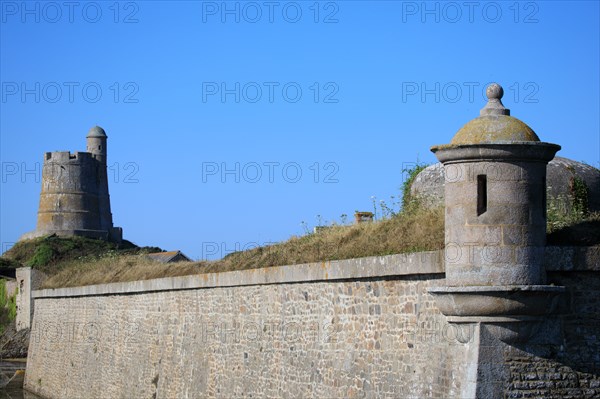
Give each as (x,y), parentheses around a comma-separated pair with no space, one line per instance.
(538,369)
(28,280)
(572,258)
(336,339)
(479,206)
(429,184)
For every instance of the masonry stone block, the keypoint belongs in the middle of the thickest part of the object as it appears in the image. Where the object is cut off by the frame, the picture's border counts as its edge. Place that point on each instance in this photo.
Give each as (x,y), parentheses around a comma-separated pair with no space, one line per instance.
(502,193)
(502,214)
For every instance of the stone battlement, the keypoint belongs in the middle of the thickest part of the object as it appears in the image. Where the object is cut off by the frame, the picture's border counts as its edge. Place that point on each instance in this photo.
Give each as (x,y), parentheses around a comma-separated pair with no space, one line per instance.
(68,157)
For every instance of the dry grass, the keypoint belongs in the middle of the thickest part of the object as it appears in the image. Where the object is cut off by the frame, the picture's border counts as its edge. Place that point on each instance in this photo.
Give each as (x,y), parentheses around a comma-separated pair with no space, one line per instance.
(112,269)
(418,230)
(410,231)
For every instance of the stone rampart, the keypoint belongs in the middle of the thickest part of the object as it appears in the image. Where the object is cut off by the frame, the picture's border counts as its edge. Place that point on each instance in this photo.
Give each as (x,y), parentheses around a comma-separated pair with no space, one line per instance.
(343,329)
(354,328)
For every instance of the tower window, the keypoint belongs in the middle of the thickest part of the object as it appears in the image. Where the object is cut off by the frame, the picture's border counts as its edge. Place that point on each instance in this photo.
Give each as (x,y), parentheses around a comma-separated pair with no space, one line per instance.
(481,194)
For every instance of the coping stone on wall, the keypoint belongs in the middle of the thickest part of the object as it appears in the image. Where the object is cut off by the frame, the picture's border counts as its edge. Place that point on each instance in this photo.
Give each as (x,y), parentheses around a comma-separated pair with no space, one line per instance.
(358,268)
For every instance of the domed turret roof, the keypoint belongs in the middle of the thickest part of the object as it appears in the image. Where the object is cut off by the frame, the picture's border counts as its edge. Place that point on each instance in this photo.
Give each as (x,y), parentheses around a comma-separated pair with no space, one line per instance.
(96,131)
(494,125)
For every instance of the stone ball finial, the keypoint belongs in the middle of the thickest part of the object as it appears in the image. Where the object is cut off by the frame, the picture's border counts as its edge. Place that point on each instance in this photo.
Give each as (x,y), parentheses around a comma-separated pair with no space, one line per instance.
(494,93)
(494,124)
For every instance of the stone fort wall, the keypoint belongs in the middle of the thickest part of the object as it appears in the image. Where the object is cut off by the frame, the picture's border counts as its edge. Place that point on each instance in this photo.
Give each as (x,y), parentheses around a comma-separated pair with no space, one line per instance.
(344,329)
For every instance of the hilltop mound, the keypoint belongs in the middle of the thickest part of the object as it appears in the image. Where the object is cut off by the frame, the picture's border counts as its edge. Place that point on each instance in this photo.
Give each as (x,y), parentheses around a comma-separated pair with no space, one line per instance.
(49,254)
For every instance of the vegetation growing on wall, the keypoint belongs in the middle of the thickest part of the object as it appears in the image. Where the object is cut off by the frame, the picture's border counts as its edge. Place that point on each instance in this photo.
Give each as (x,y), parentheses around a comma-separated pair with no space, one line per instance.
(408,200)
(8,306)
(572,209)
(42,256)
(9,263)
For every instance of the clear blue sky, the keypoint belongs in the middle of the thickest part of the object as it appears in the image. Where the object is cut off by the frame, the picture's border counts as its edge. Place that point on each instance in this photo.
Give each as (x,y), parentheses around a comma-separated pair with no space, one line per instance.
(355,90)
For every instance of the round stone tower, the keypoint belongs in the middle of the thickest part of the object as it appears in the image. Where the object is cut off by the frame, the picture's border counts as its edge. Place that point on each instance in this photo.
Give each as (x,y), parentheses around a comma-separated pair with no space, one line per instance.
(69,199)
(495,196)
(74,198)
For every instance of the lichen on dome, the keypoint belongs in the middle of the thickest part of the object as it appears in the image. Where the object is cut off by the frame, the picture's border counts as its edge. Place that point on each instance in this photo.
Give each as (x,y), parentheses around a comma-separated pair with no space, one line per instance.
(494,129)
(494,125)
(96,131)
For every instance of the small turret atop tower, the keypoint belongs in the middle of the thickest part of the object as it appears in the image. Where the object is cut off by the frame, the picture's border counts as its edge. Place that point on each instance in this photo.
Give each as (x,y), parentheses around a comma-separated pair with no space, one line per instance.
(96,143)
